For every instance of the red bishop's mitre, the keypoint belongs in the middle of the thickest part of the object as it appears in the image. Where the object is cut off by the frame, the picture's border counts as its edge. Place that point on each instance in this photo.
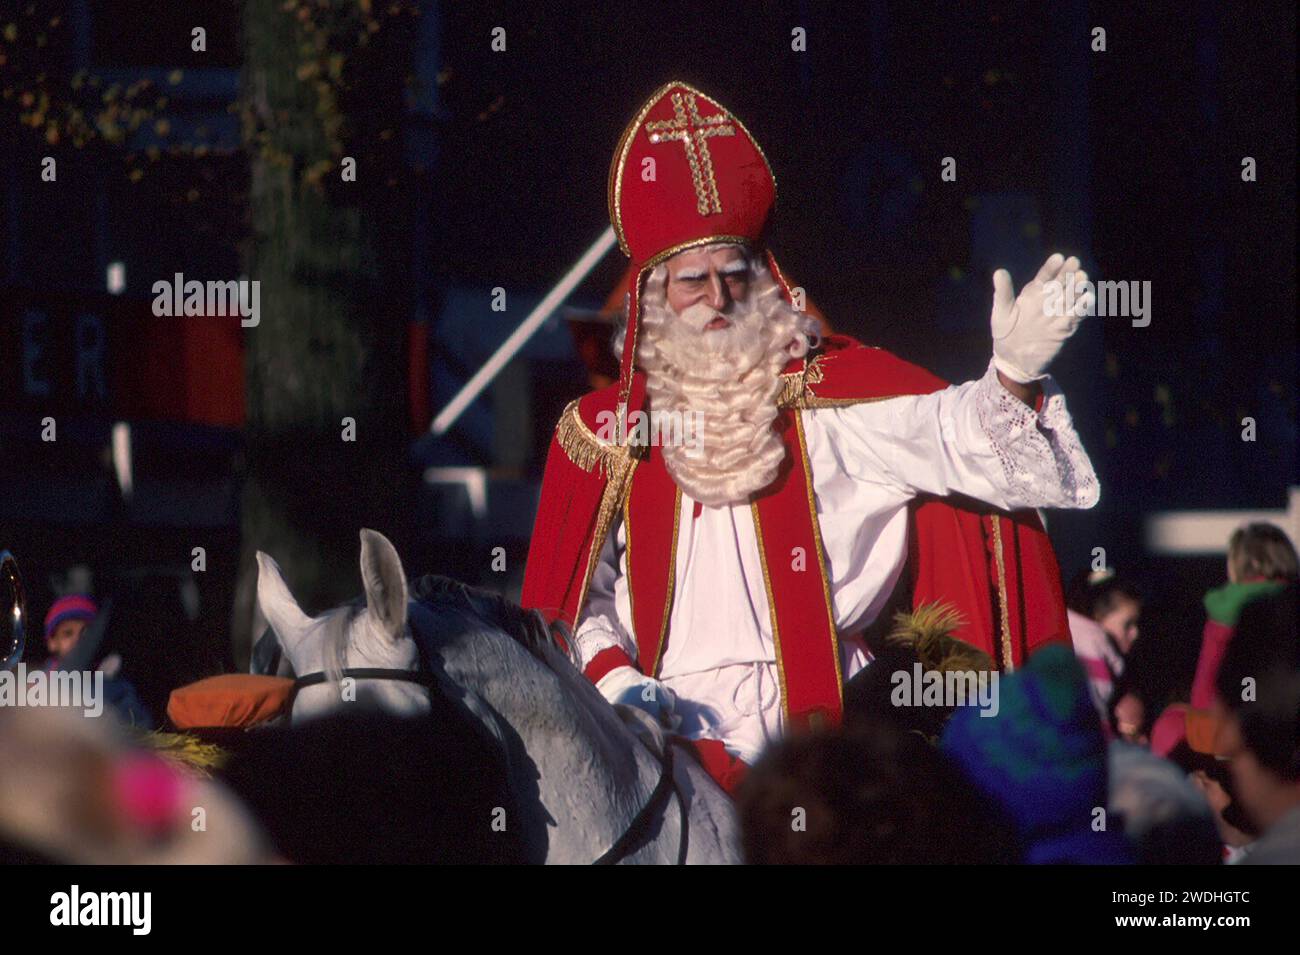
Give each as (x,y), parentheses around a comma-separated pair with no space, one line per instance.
(686,172)
(709,182)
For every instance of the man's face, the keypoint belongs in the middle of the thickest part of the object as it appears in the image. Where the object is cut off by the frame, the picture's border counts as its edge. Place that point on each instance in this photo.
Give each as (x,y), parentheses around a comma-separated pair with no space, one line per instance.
(716,341)
(717,278)
(1264,795)
(65,637)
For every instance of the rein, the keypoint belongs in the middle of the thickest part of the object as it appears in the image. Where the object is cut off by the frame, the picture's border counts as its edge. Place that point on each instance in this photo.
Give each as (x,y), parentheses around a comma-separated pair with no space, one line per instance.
(425,680)
(639,828)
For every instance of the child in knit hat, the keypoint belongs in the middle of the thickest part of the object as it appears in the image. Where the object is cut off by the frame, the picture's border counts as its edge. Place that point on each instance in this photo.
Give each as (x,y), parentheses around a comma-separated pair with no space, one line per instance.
(66,621)
(65,625)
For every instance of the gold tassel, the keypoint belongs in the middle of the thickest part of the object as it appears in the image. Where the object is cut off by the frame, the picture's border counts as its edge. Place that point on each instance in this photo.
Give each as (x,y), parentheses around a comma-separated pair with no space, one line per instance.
(792,388)
(796,389)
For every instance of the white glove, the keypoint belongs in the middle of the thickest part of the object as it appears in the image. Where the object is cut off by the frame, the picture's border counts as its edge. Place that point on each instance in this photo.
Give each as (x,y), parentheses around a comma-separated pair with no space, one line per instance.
(627,686)
(1025,336)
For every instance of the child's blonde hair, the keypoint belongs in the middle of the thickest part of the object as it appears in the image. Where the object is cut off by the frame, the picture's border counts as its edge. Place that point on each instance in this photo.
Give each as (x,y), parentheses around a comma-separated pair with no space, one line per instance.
(1261,550)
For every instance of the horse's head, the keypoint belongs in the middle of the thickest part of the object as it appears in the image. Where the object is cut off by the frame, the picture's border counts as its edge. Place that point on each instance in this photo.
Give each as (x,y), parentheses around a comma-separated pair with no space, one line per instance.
(356,636)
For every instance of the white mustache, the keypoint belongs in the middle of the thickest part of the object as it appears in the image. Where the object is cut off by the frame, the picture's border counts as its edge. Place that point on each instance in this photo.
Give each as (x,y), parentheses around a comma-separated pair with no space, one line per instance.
(699,315)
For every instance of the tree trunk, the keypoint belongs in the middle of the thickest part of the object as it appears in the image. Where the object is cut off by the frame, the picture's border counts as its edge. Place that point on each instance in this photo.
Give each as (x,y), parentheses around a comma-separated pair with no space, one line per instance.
(332,258)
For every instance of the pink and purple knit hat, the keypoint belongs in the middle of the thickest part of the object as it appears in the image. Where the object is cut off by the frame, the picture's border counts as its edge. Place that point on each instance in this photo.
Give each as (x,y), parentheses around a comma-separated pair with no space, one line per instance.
(71,607)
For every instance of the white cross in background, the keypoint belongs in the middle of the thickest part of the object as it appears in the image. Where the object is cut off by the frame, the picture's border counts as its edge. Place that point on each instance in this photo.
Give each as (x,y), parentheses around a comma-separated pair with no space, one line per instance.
(474,480)
(1188,533)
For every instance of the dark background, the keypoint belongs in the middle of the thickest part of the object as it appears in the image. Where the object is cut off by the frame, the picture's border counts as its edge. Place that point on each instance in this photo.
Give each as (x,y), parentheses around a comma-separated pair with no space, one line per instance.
(1130,158)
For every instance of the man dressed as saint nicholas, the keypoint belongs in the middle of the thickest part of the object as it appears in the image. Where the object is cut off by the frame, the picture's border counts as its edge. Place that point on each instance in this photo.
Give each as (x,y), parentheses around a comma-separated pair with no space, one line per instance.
(723,577)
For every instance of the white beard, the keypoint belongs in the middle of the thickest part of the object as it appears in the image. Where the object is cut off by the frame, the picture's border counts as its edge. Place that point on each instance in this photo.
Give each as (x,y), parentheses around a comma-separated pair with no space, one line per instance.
(730,377)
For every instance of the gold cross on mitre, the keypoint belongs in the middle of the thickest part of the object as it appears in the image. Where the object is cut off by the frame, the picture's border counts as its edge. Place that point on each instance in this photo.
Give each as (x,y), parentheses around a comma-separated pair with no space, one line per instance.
(693,130)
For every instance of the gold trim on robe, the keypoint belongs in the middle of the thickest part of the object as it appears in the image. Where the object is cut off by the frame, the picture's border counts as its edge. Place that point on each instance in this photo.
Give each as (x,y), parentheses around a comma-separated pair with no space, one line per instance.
(1008,663)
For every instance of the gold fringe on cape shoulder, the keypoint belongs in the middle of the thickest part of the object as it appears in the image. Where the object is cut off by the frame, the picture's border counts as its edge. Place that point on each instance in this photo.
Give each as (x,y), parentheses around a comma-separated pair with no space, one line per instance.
(582,445)
(585,449)
(928,630)
(617,462)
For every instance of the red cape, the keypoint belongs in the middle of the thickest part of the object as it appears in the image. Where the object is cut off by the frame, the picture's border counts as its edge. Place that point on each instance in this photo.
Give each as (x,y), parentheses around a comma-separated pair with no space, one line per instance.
(996,568)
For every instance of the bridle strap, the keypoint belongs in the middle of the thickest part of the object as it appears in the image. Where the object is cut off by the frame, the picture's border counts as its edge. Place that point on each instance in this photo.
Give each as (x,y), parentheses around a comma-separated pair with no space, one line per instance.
(639,829)
(425,680)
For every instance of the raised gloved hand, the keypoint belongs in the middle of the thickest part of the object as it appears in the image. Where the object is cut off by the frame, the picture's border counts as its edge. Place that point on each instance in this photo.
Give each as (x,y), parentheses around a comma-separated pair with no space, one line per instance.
(629,687)
(1029,329)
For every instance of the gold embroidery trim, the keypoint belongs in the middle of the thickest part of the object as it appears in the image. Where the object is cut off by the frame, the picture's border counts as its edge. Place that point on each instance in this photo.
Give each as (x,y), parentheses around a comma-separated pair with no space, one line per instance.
(672,584)
(813,401)
(821,562)
(771,610)
(615,189)
(1008,660)
(633,331)
(794,384)
(780,277)
(672,250)
(631,594)
(693,131)
(617,462)
(796,388)
(615,488)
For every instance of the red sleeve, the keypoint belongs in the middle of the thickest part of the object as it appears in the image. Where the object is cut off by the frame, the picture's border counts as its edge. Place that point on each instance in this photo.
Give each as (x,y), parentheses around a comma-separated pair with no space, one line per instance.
(611,658)
(1214,644)
(566,514)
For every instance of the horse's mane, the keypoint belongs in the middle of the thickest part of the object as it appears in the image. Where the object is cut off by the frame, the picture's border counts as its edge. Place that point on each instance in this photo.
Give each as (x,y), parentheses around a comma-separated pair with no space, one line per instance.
(334,639)
(529,628)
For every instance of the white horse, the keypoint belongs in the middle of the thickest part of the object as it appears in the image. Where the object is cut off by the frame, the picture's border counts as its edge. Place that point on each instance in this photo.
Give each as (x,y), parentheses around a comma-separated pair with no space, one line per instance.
(591,782)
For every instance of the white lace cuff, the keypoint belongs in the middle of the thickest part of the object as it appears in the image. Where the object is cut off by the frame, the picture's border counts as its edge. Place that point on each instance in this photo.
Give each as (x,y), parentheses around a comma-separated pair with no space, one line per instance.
(596,633)
(1041,455)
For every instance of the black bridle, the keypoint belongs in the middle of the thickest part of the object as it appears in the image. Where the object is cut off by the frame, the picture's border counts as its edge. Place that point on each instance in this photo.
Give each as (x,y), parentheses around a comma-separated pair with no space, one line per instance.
(425,680)
(638,829)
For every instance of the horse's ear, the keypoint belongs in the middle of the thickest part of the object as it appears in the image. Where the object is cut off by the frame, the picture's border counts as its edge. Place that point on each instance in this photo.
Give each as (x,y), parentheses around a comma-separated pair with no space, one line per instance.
(278,606)
(384,582)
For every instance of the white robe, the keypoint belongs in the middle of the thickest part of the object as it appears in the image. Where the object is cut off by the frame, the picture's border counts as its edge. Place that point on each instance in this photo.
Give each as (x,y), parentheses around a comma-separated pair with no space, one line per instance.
(867,461)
